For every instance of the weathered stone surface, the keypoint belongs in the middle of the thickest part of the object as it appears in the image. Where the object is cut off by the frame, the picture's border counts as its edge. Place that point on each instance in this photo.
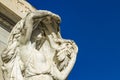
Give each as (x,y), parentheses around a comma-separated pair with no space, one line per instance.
(15,9)
(47,55)
(37,51)
(3,40)
(11,11)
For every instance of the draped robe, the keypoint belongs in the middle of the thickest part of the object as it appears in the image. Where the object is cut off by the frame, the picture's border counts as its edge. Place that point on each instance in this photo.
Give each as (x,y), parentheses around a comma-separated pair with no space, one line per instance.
(49,58)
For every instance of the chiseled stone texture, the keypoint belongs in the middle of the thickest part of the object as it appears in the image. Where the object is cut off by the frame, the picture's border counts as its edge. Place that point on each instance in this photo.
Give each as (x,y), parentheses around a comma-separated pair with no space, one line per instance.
(15,9)
(12,11)
(37,51)
(57,56)
(3,41)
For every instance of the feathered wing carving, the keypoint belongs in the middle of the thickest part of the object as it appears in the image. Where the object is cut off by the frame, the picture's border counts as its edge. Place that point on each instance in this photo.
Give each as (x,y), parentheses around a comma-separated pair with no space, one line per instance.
(64,51)
(65,58)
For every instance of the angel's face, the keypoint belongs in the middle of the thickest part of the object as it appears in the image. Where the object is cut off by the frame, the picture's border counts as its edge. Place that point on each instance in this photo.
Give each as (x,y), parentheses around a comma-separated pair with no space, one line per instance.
(47,20)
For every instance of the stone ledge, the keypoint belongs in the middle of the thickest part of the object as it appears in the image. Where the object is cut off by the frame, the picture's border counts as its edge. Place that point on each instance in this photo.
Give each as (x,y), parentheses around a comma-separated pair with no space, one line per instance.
(15,9)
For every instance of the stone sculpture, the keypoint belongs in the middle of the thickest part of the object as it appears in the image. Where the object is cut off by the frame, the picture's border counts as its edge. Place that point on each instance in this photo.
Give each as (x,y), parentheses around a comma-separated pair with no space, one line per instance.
(36,50)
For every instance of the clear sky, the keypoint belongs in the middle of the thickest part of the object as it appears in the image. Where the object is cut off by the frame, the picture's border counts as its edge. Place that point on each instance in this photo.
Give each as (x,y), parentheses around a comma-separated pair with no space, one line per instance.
(95,26)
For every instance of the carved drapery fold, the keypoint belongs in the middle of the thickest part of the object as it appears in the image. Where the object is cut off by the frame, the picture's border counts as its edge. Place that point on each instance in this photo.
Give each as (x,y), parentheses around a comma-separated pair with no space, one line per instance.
(36,50)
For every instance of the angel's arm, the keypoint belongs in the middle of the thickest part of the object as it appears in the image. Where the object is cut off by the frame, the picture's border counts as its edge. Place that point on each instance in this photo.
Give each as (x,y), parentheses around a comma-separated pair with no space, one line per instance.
(26,31)
(28,25)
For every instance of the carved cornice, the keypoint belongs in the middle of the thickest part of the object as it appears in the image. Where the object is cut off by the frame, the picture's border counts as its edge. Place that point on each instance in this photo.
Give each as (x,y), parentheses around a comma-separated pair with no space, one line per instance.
(6,23)
(17,8)
(11,11)
(23,6)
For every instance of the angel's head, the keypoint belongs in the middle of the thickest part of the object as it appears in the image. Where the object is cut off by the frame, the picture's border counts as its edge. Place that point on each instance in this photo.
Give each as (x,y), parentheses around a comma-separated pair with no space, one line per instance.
(47,20)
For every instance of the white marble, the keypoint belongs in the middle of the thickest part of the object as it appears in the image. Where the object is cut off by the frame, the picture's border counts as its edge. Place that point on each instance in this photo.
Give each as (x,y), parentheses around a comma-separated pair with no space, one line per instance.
(36,50)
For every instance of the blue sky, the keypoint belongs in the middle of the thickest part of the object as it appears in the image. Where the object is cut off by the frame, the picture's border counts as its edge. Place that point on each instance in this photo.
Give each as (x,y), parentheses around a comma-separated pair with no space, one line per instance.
(95,27)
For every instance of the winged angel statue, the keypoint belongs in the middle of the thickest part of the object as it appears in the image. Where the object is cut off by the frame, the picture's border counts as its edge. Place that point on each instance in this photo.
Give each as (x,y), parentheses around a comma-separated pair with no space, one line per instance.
(36,50)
